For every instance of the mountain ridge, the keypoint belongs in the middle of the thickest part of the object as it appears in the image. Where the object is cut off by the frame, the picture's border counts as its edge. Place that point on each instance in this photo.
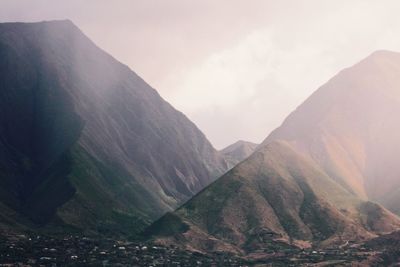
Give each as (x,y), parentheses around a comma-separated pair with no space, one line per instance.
(355,123)
(84,140)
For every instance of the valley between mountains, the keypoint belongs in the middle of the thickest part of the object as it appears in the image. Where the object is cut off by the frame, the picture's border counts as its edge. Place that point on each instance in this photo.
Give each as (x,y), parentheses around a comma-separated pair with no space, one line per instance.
(327,175)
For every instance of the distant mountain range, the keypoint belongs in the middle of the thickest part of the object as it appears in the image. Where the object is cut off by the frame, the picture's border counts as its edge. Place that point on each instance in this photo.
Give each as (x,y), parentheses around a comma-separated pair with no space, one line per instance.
(85,143)
(327,176)
(237,152)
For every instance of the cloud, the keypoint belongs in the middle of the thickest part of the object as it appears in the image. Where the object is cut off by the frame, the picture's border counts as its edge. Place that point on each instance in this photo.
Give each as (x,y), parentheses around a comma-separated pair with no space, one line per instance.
(247,89)
(236,68)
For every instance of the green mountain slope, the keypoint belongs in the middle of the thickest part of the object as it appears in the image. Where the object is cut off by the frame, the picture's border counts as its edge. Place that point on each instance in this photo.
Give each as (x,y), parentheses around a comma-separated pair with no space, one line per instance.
(84,141)
(276,196)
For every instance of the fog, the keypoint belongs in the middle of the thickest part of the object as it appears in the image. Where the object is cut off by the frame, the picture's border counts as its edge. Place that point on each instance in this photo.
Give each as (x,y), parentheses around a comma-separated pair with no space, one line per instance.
(236,68)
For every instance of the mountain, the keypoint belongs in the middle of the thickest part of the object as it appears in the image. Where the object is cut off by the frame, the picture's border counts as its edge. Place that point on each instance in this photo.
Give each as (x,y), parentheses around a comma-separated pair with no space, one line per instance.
(238,151)
(84,141)
(349,128)
(275,198)
(314,180)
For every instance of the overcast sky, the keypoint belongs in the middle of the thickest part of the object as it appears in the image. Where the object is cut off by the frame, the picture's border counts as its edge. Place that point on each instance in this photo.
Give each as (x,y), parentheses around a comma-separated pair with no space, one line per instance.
(237,68)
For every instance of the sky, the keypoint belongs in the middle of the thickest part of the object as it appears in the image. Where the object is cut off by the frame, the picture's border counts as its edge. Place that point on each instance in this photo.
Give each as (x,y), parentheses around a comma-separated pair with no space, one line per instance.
(236,68)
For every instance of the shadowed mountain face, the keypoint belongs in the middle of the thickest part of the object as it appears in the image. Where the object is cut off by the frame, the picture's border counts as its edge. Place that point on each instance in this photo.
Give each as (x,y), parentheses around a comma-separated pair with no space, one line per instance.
(86,141)
(237,152)
(312,180)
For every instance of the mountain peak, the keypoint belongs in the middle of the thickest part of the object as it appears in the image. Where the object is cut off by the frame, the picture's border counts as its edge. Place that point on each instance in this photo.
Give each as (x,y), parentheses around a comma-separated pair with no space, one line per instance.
(384,53)
(237,144)
(40,24)
(54,22)
(379,61)
(238,151)
(78,126)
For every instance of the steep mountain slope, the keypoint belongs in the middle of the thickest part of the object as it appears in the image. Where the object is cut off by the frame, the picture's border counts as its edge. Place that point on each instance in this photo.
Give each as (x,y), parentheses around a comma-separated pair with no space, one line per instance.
(238,151)
(86,142)
(349,127)
(312,179)
(275,197)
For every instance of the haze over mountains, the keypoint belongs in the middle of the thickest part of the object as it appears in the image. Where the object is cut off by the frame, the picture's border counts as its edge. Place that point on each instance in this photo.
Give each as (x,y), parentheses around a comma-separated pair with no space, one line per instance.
(314,180)
(350,128)
(87,146)
(84,141)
